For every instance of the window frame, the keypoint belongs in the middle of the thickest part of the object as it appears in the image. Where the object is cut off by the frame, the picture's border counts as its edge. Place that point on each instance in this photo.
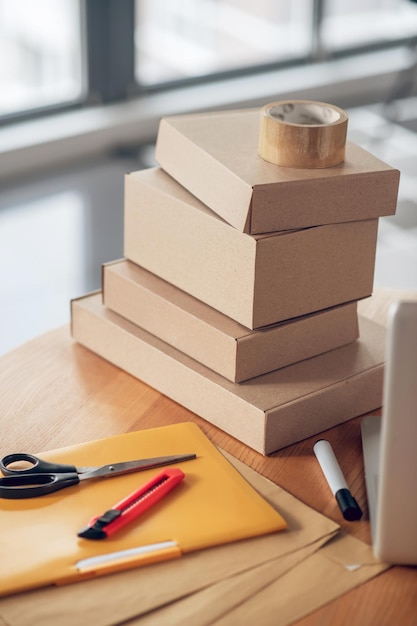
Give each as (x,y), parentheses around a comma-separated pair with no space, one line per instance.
(109,69)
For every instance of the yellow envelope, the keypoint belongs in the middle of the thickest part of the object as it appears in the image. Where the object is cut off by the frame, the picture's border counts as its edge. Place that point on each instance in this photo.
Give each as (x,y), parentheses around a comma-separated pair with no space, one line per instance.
(127,595)
(213,505)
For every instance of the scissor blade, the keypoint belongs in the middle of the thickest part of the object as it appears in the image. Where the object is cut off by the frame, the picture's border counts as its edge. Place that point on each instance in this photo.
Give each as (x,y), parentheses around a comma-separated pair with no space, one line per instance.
(117,469)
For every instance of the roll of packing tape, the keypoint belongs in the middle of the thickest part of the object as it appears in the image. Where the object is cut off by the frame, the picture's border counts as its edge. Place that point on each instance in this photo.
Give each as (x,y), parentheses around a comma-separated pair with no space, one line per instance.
(302,133)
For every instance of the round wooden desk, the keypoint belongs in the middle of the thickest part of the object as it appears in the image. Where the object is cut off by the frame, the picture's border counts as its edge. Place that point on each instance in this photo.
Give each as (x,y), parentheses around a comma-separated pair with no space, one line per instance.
(55,393)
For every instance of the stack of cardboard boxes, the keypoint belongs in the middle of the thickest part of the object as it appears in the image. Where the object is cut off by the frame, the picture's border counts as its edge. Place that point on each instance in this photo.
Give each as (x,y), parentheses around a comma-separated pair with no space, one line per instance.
(237,295)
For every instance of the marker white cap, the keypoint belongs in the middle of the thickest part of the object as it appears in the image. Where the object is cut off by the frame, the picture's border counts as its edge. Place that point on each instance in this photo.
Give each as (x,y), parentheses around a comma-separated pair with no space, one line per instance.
(350,509)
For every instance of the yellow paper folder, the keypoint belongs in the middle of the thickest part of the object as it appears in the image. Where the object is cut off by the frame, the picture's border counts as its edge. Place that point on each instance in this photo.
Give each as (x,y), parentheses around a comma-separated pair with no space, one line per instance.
(213,505)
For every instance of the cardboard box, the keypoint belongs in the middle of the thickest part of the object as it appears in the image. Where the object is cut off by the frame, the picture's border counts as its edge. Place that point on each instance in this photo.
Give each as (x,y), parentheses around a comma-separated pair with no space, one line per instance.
(267,412)
(214,155)
(256,280)
(213,339)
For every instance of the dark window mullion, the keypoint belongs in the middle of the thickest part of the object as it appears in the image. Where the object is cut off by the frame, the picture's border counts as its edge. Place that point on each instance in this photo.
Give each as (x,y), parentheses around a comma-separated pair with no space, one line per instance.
(317,49)
(110,49)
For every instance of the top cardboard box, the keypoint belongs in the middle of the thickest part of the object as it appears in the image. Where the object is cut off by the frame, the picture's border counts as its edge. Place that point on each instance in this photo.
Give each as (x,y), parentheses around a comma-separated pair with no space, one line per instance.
(215,157)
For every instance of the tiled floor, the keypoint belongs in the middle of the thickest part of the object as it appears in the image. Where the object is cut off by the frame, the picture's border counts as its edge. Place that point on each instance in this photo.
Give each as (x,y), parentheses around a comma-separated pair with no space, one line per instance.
(55,232)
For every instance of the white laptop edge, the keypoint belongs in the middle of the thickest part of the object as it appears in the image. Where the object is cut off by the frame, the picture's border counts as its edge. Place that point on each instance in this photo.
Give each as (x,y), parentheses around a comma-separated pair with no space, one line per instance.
(390,445)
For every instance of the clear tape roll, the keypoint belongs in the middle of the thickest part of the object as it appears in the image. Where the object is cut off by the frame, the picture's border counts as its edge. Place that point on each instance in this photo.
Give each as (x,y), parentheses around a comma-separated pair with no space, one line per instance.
(302,133)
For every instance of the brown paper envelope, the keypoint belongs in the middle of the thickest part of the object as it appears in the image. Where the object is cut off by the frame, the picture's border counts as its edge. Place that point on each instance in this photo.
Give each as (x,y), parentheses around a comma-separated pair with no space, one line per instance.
(205,606)
(115,598)
(342,564)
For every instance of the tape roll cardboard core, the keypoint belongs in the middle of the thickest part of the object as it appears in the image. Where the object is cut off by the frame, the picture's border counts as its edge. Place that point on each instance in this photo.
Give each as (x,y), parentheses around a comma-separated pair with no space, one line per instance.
(304,134)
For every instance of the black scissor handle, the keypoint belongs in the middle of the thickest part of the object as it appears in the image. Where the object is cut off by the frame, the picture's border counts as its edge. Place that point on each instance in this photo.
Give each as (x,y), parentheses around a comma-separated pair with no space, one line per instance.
(37,465)
(18,487)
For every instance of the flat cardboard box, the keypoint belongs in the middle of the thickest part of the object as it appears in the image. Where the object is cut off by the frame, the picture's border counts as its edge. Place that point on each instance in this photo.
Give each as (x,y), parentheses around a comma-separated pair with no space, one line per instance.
(213,339)
(256,280)
(214,155)
(266,413)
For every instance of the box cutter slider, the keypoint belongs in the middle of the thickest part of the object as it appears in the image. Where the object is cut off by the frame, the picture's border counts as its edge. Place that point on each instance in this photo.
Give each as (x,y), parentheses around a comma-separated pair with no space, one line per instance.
(133,506)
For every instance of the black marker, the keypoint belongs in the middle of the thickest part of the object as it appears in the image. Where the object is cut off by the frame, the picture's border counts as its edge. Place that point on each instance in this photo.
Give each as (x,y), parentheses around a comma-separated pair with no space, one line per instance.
(350,509)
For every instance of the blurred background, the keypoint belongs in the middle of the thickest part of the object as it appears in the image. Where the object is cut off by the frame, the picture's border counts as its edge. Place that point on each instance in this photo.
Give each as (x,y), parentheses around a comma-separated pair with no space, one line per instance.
(83,84)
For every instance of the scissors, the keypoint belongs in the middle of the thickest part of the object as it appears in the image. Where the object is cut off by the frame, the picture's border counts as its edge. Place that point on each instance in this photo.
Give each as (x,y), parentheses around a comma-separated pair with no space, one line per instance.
(42,477)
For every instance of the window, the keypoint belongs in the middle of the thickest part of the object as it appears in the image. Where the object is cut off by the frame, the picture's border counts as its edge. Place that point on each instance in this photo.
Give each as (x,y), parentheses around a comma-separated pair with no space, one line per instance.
(188,38)
(359,23)
(181,39)
(76,52)
(40,54)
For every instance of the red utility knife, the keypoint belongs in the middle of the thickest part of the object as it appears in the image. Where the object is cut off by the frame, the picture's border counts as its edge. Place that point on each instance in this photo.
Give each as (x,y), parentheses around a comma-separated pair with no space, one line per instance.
(133,506)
